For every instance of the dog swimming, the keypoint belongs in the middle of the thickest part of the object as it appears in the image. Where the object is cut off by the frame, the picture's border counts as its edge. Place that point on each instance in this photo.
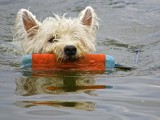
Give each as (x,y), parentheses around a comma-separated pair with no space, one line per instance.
(67,38)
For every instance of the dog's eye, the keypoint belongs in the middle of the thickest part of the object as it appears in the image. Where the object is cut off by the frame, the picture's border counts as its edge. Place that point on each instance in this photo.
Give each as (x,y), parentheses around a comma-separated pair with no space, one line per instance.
(52,40)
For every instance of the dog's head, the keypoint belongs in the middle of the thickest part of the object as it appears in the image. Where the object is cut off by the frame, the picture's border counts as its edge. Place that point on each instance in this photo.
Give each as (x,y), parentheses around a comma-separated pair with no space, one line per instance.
(65,37)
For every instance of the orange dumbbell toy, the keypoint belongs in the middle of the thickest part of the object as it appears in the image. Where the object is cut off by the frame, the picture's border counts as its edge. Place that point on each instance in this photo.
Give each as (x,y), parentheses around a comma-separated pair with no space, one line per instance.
(89,62)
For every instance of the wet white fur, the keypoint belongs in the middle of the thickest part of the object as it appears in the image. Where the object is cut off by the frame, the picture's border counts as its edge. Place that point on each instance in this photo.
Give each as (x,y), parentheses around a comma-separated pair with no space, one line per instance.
(67,31)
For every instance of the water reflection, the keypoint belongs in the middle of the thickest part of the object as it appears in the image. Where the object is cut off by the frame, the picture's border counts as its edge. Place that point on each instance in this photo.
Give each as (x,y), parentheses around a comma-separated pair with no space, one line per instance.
(89,106)
(62,82)
(59,83)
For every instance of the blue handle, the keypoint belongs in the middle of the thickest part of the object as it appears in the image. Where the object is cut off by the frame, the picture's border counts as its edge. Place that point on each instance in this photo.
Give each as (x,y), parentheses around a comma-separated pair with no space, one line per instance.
(110,62)
(26,62)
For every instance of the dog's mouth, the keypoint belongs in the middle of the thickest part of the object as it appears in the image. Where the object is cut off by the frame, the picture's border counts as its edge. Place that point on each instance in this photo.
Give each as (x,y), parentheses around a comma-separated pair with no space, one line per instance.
(71,58)
(65,57)
(69,53)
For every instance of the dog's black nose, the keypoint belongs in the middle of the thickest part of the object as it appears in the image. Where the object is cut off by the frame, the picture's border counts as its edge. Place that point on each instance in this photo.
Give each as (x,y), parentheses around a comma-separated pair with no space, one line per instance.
(70,50)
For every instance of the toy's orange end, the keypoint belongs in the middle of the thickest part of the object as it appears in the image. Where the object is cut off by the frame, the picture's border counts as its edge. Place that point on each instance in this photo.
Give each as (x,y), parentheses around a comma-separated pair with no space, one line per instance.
(49,62)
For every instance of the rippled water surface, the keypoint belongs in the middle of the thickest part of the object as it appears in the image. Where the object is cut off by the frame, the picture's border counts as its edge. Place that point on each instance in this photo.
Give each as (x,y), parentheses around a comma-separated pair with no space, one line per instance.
(126,26)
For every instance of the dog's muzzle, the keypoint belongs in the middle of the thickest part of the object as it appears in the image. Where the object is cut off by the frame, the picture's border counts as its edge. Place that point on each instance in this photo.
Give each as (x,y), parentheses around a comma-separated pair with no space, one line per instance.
(70,50)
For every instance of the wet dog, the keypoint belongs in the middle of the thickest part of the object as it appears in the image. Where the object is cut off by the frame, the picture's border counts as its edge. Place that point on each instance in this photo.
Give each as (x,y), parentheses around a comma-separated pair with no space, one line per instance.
(68,38)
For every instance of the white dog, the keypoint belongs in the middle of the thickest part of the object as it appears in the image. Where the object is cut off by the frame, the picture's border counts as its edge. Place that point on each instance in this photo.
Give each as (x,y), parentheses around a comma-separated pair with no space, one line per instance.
(66,38)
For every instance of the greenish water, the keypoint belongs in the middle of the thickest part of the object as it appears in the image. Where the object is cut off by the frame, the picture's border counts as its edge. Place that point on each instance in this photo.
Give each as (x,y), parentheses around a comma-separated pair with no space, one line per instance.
(126,26)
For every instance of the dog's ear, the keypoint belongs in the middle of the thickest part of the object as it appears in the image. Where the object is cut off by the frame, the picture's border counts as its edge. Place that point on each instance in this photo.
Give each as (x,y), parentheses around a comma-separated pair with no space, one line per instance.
(27,22)
(89,18)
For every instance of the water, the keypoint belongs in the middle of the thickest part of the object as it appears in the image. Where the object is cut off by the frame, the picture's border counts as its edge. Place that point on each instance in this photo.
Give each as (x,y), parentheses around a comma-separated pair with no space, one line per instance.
(126,26)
